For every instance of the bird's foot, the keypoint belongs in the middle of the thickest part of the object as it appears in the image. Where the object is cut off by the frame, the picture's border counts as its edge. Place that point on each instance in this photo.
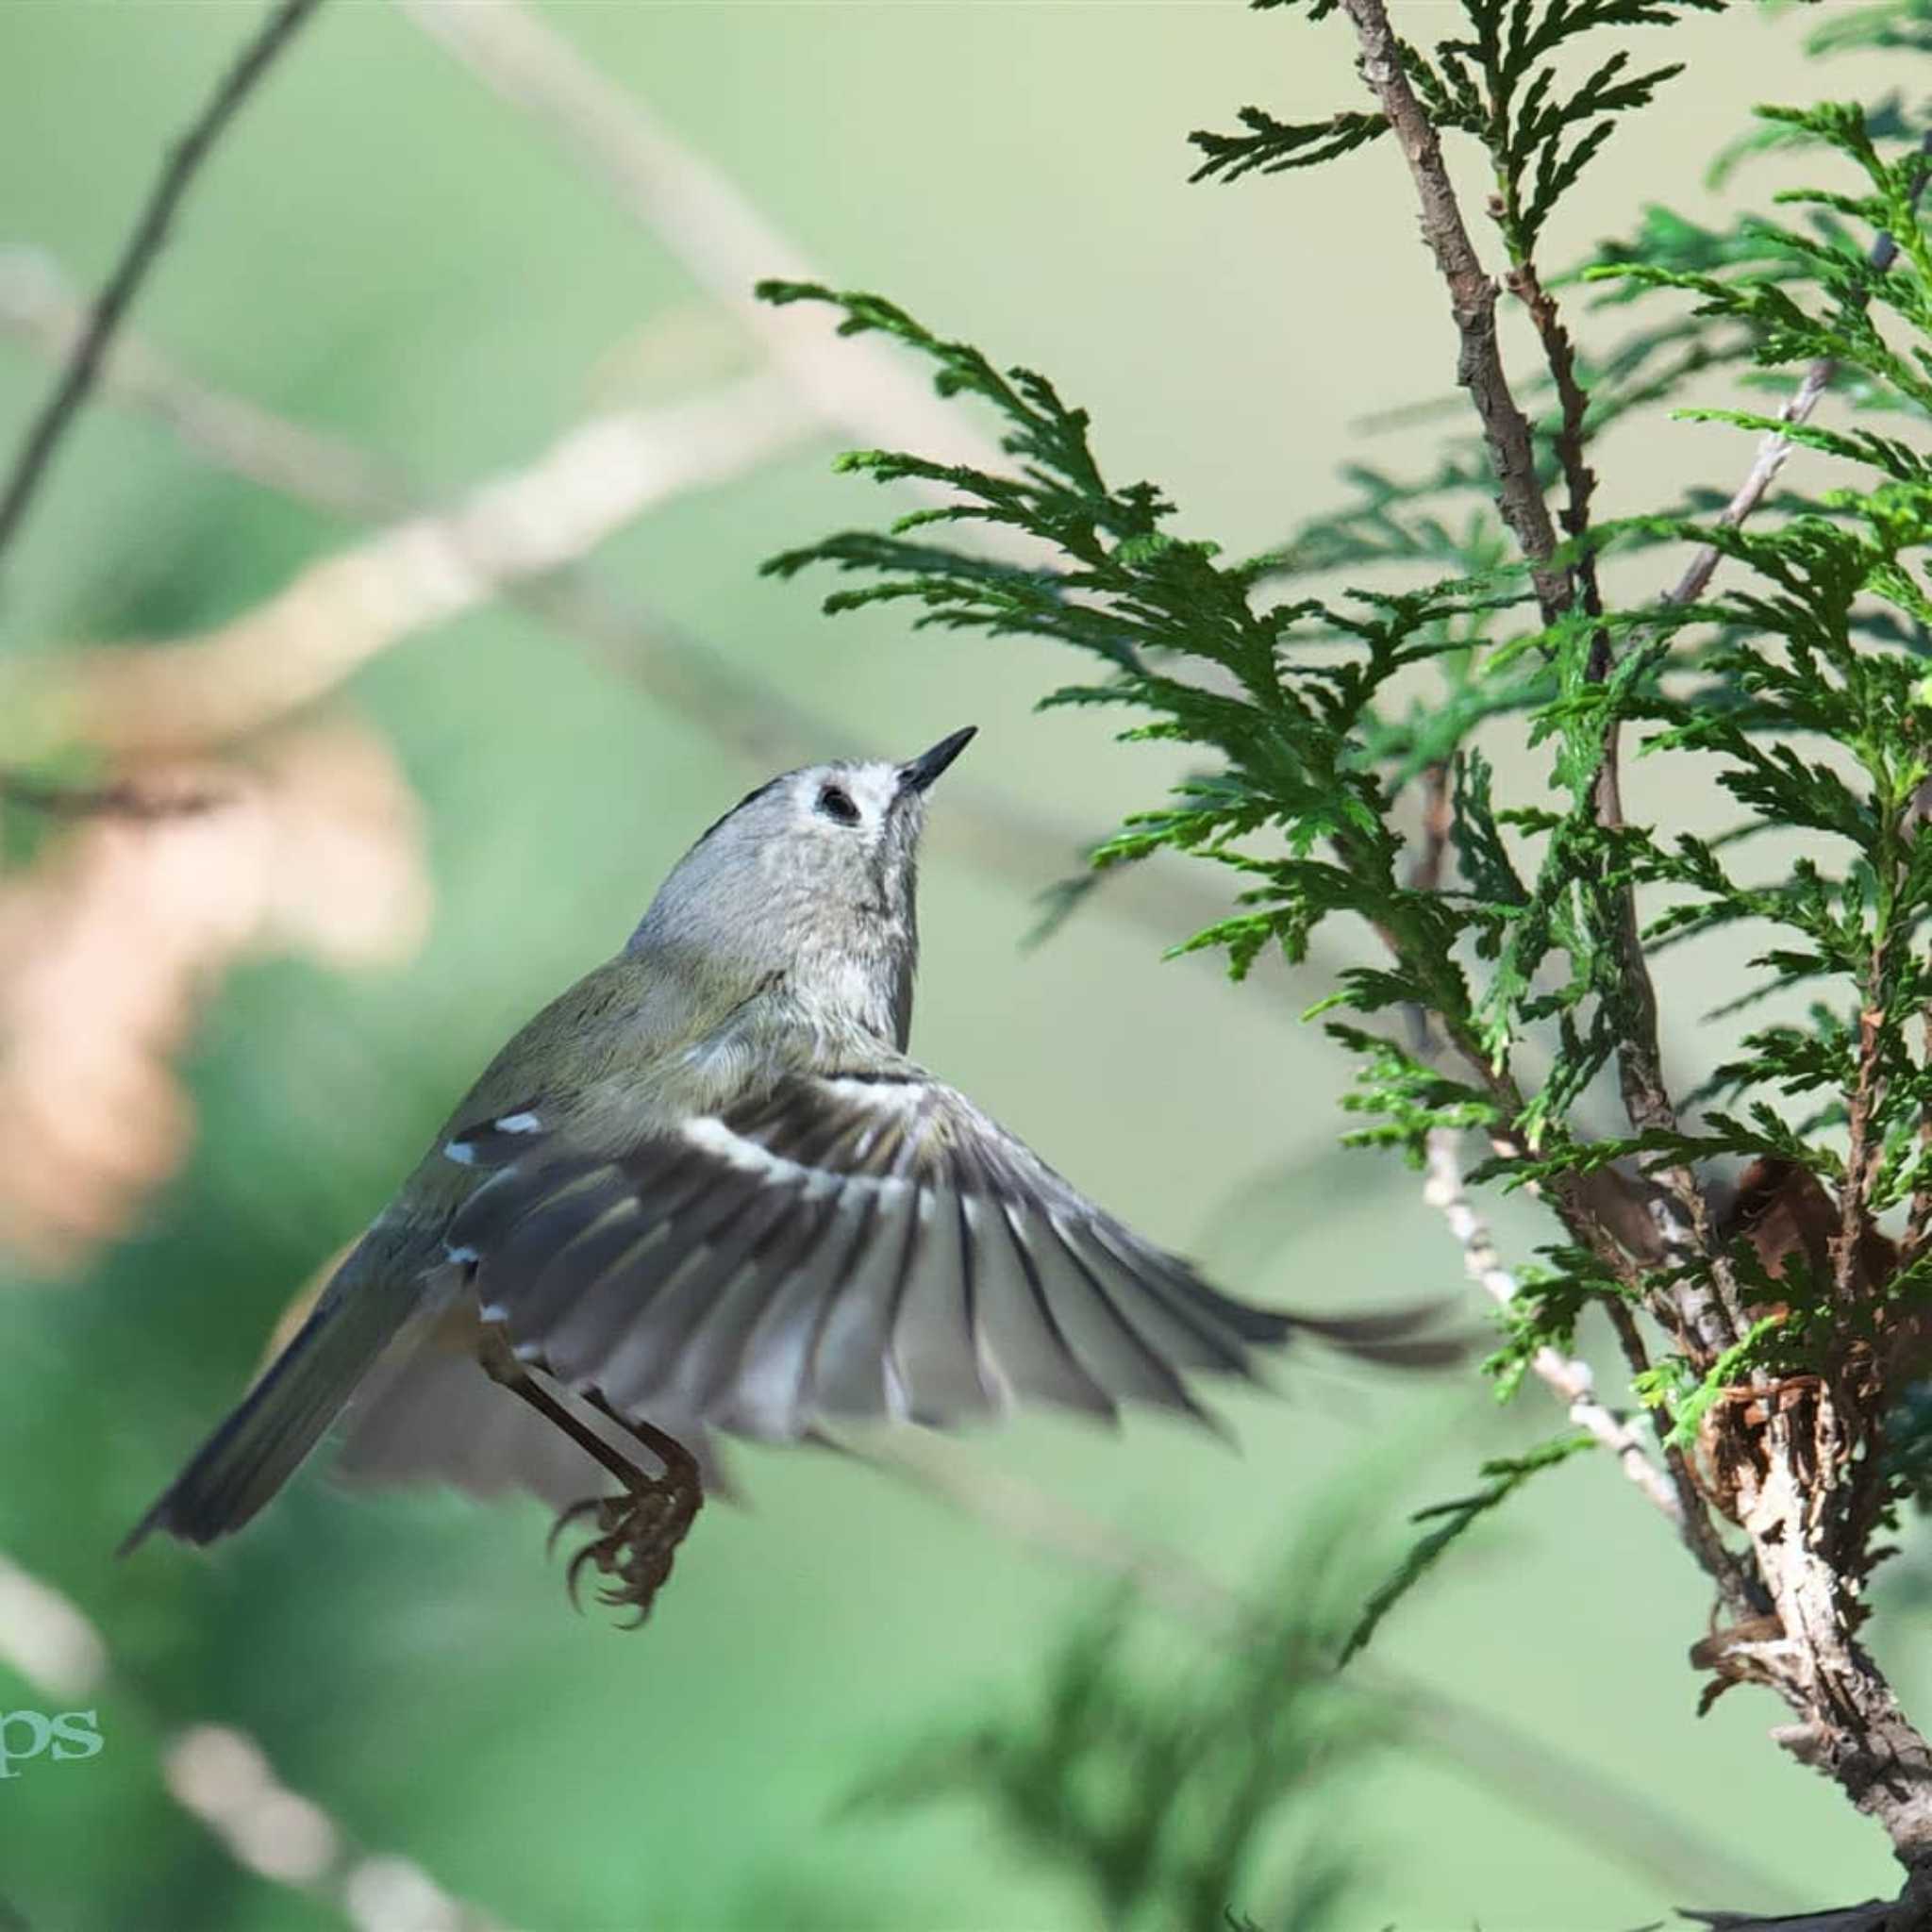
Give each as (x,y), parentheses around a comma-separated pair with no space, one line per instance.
(638,1533)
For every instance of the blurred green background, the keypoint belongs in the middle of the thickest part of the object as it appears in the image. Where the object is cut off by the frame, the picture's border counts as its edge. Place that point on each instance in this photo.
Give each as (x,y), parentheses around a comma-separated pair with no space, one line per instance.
(384,249)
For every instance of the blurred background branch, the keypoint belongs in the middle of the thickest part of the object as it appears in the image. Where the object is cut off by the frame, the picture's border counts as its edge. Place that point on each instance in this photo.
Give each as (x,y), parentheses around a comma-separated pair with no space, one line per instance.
(224,1779)
(693,207)
(342,611)
(145,243)
(303,642)
(38,303)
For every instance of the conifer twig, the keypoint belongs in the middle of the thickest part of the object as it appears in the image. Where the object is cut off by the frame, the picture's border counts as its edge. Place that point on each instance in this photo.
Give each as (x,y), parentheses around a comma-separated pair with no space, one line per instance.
(137,255)
(1601,1209)
(1570,1379)
(1770,460)
(1918,1215)
(1472,302)
(1681,1208)
(1573,428)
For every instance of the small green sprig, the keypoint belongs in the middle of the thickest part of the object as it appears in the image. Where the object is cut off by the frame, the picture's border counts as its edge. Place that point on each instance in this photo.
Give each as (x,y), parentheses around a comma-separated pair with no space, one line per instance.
(1503,1476)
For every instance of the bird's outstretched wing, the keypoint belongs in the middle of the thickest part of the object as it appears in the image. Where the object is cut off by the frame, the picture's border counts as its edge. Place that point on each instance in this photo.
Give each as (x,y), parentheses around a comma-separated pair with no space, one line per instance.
(849,1245)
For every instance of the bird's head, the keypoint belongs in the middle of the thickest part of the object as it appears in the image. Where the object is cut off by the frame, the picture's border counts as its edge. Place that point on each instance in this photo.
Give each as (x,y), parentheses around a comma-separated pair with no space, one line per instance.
(811,876)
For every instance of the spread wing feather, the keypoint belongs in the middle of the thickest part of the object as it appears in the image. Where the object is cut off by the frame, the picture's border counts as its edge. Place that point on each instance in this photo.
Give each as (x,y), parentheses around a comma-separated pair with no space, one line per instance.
(848,1245)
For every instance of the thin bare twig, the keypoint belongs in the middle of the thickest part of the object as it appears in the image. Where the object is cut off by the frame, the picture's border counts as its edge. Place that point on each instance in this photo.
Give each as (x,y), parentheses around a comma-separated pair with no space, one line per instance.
(1572,403)
(1770,460)
(143,245)
(1598,1211)
(1717,1315)
(1851,1724)
(1919,1216)
(1863,1151)
(125,799)
(1861,1155)
(1739,1591)
(1603,1209)
(1570,1379)
(1776,447)
(1793,1498)
(38,304)
(1472,304)
(1608,1206)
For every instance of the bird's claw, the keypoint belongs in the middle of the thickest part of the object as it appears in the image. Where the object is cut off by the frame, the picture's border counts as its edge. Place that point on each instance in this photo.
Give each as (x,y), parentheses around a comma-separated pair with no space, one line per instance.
(637,1538)
(589,1506)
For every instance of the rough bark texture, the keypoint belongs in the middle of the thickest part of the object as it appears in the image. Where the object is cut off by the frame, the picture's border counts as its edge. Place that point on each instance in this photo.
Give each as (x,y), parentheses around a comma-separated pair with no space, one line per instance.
(1472,301)
(1793,1463)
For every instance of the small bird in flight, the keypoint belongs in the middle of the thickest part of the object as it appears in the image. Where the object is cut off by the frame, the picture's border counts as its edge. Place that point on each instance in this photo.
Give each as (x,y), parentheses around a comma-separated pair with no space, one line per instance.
(708,1189)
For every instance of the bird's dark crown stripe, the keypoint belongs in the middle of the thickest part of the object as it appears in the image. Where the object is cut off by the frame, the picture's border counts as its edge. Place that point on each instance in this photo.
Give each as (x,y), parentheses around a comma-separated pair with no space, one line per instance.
(756,792)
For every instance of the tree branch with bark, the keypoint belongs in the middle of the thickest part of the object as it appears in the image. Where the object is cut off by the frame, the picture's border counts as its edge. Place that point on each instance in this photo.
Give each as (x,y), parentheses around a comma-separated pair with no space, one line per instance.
(1769,1325)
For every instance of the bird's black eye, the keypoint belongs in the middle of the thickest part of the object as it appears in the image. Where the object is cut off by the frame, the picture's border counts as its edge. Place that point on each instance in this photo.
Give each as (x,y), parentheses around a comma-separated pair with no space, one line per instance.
(837,804)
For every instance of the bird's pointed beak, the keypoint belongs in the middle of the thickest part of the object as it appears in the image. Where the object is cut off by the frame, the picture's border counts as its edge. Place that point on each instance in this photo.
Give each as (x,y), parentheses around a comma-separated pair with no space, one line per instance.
(916,774)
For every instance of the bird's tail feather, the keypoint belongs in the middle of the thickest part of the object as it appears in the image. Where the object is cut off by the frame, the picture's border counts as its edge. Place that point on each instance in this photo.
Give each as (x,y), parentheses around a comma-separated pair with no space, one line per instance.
(282,1418)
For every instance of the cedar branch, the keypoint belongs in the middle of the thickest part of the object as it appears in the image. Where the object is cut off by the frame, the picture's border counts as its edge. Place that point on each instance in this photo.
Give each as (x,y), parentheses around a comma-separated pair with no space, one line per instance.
(1472,302)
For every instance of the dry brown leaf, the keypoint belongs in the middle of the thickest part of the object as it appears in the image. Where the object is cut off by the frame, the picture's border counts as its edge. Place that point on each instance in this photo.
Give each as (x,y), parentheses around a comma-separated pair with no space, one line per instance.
(113,942)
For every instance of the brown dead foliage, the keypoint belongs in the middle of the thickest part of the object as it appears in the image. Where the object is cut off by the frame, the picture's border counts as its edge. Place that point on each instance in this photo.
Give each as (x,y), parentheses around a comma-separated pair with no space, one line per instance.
(113,938)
